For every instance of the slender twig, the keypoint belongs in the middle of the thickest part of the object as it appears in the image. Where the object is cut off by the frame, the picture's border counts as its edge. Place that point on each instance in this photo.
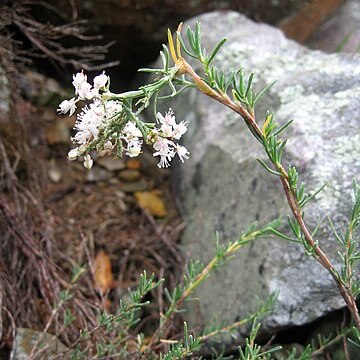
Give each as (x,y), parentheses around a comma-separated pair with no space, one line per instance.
(55,311)
(214,262)
(162,237)
(13,325)
(250,120)
(333,341)
(344,339)
(110,319)
(347,254)
(228,328)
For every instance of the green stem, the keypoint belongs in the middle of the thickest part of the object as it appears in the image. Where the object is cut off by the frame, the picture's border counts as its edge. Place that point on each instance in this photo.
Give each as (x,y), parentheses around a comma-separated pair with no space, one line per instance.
(228,328)
(214,262)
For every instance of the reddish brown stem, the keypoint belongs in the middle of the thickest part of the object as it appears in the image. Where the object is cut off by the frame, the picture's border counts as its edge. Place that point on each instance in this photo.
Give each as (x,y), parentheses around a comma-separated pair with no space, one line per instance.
(319,255)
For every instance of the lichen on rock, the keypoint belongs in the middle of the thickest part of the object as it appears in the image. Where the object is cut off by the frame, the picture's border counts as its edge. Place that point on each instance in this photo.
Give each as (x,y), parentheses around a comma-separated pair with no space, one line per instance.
(222,188)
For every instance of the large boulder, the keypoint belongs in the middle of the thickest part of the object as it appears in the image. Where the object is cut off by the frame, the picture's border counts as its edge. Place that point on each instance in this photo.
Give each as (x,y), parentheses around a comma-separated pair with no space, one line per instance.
(223,188)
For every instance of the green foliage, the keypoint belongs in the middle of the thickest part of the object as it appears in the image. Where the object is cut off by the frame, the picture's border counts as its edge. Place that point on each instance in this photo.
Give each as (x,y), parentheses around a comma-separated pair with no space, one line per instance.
(251,350)
(305,355)
(183,349)
(356,337)
(69,317)
(349,242)
(243,90)
(218,80)
(302,197)
(219,84)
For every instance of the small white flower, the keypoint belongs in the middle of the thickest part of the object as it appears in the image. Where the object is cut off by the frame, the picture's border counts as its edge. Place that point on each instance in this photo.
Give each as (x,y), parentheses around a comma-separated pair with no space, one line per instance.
(82,88)
(169,127)
(134,148)
(88,123)
(97,108)
(182,152)
(88,161)
(79,79)
(167,130)
(179,130)
(164,161)
(84,91)
(74,154)
(169,118)
(163,146)
(96,118)
(67,105)
(100,81)
(131,131)
(165,150)
(112,107)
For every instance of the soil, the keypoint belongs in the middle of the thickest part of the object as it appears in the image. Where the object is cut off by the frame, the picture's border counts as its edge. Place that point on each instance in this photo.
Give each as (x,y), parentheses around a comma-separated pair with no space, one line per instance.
(71,216)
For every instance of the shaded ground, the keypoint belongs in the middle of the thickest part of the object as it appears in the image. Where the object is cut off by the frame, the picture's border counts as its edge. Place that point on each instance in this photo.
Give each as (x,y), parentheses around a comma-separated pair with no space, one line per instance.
(55,214)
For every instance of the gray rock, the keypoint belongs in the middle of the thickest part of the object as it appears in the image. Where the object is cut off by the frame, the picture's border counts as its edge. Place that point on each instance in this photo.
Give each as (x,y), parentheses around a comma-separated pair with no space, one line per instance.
(27,338)
(224,189)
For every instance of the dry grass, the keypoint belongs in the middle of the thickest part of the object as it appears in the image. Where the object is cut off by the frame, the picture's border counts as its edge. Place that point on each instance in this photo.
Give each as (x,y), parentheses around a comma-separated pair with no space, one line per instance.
(46,228)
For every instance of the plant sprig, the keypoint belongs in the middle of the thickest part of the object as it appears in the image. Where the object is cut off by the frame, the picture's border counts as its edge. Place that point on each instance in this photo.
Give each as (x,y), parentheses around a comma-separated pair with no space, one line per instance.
(196,273)
(235,90)
(244,100)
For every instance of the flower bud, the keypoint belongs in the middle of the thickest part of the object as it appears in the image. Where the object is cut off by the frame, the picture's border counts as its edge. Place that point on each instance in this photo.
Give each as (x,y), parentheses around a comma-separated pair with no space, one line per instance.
(134,148)
(100,81)
(88,161)
(73,154)
(67,105)
(79,79)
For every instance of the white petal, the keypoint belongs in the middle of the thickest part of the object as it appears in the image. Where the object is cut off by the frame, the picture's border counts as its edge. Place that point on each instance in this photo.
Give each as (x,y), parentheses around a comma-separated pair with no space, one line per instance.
(73,154)
(88,161)
(100,81)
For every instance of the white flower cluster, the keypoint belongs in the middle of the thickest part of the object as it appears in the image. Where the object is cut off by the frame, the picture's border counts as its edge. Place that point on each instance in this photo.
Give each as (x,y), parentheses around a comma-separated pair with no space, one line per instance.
(166,148)
(92,117)
(96,116)
(83,90)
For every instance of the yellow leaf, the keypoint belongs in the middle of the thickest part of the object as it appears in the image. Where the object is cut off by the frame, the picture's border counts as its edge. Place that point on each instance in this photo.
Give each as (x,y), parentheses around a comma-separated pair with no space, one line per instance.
(150,201)
(178,45)
(171,46)
(133,164)
(104,280)
(267,121)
